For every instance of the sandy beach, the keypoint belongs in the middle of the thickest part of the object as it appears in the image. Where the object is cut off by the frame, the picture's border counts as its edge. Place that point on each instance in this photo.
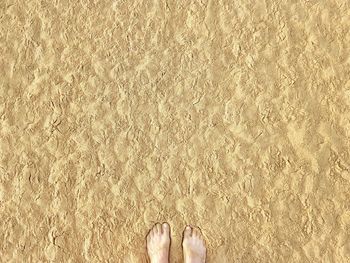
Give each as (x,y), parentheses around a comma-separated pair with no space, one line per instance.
(233,116)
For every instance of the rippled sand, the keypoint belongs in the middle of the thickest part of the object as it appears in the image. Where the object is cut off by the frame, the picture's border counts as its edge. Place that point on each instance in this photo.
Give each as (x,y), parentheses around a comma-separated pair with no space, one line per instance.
(230,115)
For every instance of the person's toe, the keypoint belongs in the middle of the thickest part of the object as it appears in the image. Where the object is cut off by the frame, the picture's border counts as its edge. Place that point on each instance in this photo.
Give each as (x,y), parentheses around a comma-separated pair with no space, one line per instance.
(154,230)
(158,228)
(197,232)
(166,228)
(150,234)
(187,232)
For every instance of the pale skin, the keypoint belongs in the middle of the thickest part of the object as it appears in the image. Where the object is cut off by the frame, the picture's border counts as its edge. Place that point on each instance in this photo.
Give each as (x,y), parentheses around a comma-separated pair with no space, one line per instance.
(158,244)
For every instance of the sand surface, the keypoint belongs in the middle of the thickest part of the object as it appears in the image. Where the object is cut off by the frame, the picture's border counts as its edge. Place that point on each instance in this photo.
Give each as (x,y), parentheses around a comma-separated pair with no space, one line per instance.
(230,115)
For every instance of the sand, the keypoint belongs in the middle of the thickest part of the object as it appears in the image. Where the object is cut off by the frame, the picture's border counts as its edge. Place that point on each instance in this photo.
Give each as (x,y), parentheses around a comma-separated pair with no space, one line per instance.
(230,115)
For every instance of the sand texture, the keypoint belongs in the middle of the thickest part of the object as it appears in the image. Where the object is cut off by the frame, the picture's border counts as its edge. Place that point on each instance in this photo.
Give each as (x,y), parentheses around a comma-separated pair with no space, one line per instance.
(232,115)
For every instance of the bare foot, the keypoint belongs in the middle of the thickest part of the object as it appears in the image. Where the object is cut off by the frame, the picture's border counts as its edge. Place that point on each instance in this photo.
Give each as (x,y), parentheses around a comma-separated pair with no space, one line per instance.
(158,243)
(193,246)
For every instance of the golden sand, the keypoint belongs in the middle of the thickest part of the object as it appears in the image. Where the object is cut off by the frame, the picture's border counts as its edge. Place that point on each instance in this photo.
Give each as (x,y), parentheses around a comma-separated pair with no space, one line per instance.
(230,115)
